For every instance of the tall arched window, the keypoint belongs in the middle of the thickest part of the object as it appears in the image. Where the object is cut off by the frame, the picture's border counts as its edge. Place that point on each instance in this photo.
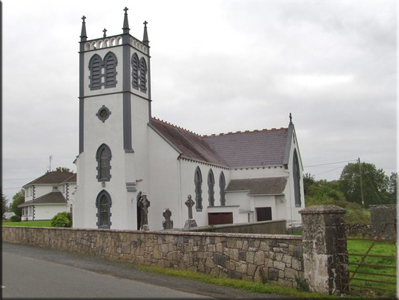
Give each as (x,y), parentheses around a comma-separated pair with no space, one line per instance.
(297,177)
(211,188)
(135,71)
(103,204)
(95,65)
(143,75)
(110,63)
(198,191)
(222,186)
(103,158)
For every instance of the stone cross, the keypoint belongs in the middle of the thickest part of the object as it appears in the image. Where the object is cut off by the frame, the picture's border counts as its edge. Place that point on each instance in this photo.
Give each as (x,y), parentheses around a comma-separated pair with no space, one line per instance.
(168,223)
(105,32)
(144,203)
(190,203)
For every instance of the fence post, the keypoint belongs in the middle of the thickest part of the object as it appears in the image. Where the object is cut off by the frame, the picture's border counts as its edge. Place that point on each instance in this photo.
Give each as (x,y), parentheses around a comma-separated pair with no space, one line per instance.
(325,255)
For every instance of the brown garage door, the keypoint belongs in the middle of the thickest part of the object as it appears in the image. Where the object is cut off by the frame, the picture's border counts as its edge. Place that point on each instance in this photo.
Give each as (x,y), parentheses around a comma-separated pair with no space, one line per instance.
(220,218)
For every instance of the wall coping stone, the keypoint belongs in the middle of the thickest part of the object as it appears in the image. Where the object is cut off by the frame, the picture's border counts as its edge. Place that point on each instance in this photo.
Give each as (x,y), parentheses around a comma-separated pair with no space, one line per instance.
(179,233)
(322,209)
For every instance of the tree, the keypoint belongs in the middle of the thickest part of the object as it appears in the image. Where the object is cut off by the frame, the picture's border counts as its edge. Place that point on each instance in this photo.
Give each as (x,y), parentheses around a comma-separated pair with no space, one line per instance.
(374,184)
(393,187)
(3,204)
(18,199)
(62,169)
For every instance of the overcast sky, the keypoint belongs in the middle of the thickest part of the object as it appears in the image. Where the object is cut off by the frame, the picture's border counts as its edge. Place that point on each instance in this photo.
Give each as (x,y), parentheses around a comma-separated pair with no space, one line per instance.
(216,66)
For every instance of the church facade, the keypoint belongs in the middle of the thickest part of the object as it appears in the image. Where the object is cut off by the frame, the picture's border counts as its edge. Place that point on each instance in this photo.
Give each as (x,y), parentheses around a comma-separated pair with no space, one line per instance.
(125,153)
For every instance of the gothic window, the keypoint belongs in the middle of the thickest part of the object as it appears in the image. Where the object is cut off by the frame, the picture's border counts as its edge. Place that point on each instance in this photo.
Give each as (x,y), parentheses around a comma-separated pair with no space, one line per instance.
(110,63)
(211,188)
(143,75)
(296,175)
(198,191)
(103,204)
(103,157)
(222,186)
(95,65)
(135,71)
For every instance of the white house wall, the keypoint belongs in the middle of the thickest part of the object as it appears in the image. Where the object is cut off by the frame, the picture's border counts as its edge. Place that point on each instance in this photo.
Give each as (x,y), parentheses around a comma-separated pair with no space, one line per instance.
(47,212)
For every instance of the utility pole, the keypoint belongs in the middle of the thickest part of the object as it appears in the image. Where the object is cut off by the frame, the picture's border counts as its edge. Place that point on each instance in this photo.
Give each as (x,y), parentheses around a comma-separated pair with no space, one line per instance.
(361,181)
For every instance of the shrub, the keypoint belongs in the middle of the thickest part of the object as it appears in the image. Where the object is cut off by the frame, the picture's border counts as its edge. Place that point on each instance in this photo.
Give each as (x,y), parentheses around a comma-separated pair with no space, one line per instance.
(61,220)
(15,218)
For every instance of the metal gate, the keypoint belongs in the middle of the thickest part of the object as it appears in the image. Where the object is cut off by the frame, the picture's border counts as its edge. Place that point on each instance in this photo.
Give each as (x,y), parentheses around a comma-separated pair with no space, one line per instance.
(371,262)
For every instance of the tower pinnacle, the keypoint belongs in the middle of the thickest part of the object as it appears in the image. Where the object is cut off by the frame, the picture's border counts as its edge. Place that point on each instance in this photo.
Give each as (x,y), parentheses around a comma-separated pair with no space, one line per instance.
(125,22)
(83,35)
(145,35)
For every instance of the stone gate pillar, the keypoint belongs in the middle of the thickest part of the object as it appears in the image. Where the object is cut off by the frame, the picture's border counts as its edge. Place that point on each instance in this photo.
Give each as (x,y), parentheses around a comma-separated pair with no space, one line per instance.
(325,255)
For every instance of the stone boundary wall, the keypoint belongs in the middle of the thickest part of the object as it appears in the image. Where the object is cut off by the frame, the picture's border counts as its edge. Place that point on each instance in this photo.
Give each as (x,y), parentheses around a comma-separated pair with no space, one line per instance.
(260,257)
(265,227)
(380,215)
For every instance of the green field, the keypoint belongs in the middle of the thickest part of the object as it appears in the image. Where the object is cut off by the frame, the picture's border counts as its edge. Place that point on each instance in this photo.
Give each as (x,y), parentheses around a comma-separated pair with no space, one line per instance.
(384,269)
(28,223)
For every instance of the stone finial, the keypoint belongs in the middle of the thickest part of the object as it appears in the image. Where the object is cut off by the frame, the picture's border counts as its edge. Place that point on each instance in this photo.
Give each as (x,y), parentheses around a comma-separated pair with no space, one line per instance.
(83,34)
(168,223)
(105,32)
(125,22)
(290,118)
(145,35)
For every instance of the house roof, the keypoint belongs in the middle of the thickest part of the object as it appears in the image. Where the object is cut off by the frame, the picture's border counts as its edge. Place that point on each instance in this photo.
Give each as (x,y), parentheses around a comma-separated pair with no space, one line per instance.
(50,198)
(240,149)
(259,186)
(189,144)
(53,178)
(250,148)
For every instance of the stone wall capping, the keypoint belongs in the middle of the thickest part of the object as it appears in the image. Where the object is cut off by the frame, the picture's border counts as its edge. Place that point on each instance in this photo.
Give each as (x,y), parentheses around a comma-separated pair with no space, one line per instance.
(322,209)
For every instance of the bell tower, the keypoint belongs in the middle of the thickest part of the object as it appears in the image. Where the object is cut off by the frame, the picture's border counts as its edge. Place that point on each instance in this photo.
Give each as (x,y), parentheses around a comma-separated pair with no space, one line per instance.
(114,111)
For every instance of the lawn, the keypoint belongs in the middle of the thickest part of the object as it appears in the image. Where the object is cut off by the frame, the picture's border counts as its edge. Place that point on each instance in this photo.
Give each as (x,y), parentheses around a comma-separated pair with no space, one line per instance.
(28,223)
(383,267)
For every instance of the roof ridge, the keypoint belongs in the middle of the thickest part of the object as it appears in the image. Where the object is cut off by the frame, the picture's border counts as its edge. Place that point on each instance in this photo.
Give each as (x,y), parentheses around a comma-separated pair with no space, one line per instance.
(177,127)
(246,131)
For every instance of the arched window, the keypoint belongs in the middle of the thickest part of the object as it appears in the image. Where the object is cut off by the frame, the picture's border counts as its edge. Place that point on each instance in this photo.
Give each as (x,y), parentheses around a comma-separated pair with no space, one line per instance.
(222,186)
(103,158)
(135,71)
(297,177)
(211,188)
(110,63)
(198,191)
(103,204)
(143,75)
(95,65)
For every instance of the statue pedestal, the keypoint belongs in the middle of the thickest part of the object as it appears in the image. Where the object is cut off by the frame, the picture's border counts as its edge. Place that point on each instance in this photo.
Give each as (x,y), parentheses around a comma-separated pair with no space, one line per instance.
(145,228)
(190,223)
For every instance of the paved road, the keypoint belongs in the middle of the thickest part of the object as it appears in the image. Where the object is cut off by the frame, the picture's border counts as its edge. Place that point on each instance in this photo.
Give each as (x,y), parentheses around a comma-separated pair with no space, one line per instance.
(44,273)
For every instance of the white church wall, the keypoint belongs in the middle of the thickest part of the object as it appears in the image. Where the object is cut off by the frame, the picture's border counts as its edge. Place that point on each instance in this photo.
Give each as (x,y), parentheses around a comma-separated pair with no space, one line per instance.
(188,187)
(257,172)
(164,185)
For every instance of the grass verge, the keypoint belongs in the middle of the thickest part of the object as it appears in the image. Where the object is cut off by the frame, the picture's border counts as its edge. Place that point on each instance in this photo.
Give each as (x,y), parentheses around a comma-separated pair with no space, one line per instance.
(46,223)
(253,287)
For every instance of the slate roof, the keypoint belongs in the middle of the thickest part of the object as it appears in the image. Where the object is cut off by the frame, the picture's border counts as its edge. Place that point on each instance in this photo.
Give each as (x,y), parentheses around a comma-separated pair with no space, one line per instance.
(250,148)
(259,186)
(189,144)
(53,178)
(50,198)
(240,149)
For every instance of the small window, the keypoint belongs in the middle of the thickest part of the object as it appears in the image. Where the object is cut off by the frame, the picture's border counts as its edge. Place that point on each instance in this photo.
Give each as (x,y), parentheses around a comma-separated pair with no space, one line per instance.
(220,218)
(198,190)
(103,204)
(103,163)
(143,75)
(110,63)
(222,186)
(211,188)
(95,66)
(263,214)
(135,71)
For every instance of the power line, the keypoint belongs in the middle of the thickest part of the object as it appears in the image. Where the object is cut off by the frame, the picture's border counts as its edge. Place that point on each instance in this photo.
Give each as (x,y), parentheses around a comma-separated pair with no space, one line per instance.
(333,163)
(327,171)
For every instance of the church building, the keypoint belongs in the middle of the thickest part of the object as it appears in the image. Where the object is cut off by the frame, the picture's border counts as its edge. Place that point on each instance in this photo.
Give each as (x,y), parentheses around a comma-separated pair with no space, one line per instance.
(125,153)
